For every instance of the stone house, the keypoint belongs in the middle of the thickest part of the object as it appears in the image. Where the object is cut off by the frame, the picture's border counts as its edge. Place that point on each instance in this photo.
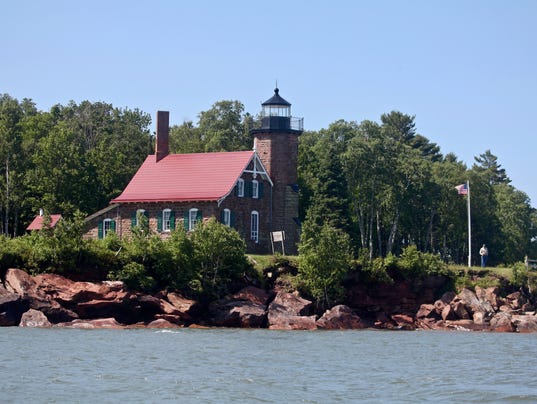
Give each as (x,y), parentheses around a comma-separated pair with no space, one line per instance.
(254,191)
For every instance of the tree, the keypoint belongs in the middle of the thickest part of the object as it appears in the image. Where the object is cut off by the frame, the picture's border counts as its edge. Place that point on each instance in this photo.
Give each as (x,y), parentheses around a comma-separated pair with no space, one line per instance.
(11,159)
(222,127)
(487,163)
(514,216)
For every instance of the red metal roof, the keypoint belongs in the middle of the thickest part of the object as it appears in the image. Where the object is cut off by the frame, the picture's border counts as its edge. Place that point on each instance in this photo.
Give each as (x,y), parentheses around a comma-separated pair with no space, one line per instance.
(186,177)
(37,223)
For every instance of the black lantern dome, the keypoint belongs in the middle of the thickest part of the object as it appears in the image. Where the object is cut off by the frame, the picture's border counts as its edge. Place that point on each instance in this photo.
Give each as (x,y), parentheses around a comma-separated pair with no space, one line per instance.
(276,114)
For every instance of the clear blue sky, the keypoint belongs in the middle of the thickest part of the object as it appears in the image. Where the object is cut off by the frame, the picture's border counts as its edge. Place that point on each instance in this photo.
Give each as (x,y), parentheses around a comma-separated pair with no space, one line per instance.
(466,69)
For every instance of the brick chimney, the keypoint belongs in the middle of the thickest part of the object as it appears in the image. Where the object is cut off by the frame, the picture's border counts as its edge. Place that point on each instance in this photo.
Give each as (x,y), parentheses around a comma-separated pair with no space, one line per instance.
(163,130)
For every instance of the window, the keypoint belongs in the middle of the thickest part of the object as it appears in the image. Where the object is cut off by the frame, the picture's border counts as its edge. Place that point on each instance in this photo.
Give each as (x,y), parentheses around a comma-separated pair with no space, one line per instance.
(109,226)
(240,188)
(254,233)
(192,218)
(226,217)
(255,189)
(139,213)
(166,220)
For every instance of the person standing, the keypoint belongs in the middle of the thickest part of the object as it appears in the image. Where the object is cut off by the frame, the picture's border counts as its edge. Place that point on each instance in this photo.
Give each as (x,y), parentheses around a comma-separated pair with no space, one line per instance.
(484,252)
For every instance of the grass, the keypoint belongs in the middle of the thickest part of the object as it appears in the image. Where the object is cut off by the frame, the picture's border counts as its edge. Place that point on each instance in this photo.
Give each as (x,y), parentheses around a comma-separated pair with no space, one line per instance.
(502,272)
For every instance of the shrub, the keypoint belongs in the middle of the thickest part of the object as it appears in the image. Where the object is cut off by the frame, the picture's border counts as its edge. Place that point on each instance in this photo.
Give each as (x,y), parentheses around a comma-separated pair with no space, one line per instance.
(219,254)
(135,276)
(324,260)
(414,263)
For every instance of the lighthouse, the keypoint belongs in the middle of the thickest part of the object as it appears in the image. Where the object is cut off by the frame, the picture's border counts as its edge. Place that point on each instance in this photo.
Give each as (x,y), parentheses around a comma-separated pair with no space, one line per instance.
(276,143)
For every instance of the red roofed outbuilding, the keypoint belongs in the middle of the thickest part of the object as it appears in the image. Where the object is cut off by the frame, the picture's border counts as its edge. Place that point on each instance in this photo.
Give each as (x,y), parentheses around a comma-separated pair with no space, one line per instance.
(253,191)
(40,220)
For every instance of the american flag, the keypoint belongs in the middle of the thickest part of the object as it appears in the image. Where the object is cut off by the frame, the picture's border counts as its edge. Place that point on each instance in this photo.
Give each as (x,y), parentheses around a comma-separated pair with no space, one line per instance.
(462,189)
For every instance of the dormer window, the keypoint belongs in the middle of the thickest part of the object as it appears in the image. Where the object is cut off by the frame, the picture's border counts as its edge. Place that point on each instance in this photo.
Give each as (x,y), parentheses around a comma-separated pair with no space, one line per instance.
(240,188)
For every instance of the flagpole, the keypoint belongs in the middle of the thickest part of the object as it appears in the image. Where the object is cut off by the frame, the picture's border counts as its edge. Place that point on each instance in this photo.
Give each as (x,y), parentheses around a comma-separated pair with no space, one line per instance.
(469,228)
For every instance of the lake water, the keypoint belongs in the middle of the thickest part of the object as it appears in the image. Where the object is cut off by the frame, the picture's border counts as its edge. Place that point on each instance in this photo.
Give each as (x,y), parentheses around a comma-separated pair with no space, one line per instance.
(263,366)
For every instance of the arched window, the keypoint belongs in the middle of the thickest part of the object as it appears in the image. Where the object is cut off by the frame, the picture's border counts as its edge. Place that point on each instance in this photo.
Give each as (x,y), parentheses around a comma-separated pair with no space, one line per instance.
(254,226)
(255,189)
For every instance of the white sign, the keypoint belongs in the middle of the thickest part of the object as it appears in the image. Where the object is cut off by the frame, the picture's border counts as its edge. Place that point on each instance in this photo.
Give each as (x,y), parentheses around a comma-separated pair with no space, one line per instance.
(277,236)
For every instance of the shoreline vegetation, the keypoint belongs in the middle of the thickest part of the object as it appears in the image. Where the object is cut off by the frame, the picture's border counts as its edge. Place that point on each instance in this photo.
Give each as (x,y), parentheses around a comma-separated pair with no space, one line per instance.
(204,278)
(381,226)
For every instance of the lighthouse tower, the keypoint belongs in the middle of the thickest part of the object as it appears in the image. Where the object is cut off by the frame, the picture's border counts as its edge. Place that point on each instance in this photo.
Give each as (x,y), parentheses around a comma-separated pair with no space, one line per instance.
(276,143)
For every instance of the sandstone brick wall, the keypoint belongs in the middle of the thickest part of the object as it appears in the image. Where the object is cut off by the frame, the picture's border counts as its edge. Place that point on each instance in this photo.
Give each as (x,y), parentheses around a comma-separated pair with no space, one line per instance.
(241,207)
(279,153)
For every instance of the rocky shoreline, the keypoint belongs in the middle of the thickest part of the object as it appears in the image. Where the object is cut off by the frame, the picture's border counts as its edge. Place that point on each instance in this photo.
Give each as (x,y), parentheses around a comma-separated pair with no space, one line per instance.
(50,300)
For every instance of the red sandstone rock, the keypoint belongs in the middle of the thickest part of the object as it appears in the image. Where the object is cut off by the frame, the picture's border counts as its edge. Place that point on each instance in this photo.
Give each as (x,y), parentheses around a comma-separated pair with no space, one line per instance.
(12,306)
(426,311)
(34,318)
(501,322)
(246,308)
(525,323)
(238,313)
(448,313)
(19,282)
(403,321)
(187,307)
(289,303)
(473,304)
(462,325)
(439,306)
(287,312)
(460,311)
(252,294)
(339,317)
(161,323)
(92,324)
(293,323)
(489,295)
(515,300)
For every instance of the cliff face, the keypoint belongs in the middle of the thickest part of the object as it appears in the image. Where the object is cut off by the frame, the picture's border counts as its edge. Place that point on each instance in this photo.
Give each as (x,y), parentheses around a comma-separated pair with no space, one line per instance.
(50,300)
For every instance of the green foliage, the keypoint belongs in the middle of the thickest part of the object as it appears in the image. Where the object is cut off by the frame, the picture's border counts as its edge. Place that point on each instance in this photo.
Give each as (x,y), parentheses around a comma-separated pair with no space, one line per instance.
(416,263)
(520,274)
(135,276)
(376,270)
(324,260)
(219,253)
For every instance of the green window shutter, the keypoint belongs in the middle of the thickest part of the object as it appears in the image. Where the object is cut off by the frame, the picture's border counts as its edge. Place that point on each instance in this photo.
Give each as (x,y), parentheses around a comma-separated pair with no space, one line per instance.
(199,217)
(260,190)
(113,225)
(100,230)
(146,214)
(232,219)
(248,189)
(133,219)
(159,221)
(172,220)
(222,216)
(185,220)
